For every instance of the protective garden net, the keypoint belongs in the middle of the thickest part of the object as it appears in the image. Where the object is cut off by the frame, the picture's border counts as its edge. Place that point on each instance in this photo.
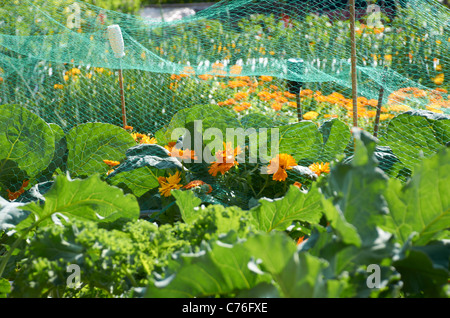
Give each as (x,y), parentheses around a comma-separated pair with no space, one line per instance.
(236,64)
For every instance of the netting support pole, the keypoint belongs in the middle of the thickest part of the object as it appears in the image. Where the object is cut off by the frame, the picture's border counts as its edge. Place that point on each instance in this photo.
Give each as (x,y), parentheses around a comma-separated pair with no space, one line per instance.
(122,96)
(377,117)
(299,106)
(353,63)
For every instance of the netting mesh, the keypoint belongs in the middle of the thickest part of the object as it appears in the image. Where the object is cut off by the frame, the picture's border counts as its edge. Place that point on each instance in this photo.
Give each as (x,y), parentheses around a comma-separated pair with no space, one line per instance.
(229,63)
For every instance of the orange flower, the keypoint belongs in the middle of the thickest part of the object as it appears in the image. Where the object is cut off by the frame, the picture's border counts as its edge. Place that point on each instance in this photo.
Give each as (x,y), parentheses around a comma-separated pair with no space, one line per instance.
(298,184)
(205,77)
(225,159)
(236,69)
(240,95)
(128,128)
(279,165)
(241,107)
(14,195)
(180,153)
(197,183)
(319,168)
(266,78)
(170,183)
(276,106)
(111,163)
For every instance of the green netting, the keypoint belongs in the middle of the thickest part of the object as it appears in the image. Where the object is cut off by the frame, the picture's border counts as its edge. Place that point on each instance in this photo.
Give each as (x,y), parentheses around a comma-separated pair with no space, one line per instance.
(227,66)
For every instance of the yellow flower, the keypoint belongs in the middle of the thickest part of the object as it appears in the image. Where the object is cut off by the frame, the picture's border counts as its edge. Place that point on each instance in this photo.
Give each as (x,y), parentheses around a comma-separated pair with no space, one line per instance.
(310,115)
(279,165)
(58,86)
(439,79)
(170,183)
(319,168)
(143,139)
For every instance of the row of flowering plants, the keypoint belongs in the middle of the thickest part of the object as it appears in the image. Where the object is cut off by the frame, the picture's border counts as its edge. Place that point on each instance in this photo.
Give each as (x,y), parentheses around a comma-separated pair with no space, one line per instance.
(139,217)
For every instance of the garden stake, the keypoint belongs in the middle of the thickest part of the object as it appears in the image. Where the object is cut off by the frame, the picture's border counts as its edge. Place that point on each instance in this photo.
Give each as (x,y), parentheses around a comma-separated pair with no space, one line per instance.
(117,45)
(296,66)
(353,63)
(377,117)
(380,101)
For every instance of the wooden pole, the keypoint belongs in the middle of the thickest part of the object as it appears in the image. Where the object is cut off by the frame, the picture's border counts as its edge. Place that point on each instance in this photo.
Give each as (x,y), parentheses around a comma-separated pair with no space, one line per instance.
(353,63)
(377,117)
(122,98)
(299,106)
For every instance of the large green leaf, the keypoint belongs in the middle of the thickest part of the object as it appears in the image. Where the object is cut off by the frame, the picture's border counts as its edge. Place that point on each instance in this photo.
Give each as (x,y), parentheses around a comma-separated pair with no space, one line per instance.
(416,134)
(91,143)
(294,206)
(211,116)
(357,189)
(91,199)
(140,171)
(301,140)
(423,204)
(187,201)
(336,136)
(222,269)
(27,144)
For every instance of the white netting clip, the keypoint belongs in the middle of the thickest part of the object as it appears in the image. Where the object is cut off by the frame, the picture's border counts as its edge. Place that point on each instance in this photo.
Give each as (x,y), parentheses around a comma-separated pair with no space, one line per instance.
(116,40)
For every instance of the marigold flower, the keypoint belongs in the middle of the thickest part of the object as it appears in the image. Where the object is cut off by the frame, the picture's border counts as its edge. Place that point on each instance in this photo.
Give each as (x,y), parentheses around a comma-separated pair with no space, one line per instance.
(225,159)
(240,95)
(180,153)
(266,78)
(310,115)
(298,184)
(58,86)
(14,195)
(279,165)
(276,106)
(143,139)
(170,183)
(319,168)
(236,69)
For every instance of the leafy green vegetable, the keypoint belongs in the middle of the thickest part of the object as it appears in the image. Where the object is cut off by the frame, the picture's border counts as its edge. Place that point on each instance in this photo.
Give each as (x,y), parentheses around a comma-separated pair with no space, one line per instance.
(91,143)
(27,144)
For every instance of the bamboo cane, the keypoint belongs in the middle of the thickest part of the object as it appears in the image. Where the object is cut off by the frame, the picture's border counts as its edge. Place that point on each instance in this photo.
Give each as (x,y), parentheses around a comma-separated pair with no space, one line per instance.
(353,63)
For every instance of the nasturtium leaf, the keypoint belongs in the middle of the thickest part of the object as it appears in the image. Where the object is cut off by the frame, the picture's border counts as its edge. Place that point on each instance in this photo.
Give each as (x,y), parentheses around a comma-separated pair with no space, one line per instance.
(91,143)
(278,214)
(27,144)
(336,136)
(423,204)
(90,198)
